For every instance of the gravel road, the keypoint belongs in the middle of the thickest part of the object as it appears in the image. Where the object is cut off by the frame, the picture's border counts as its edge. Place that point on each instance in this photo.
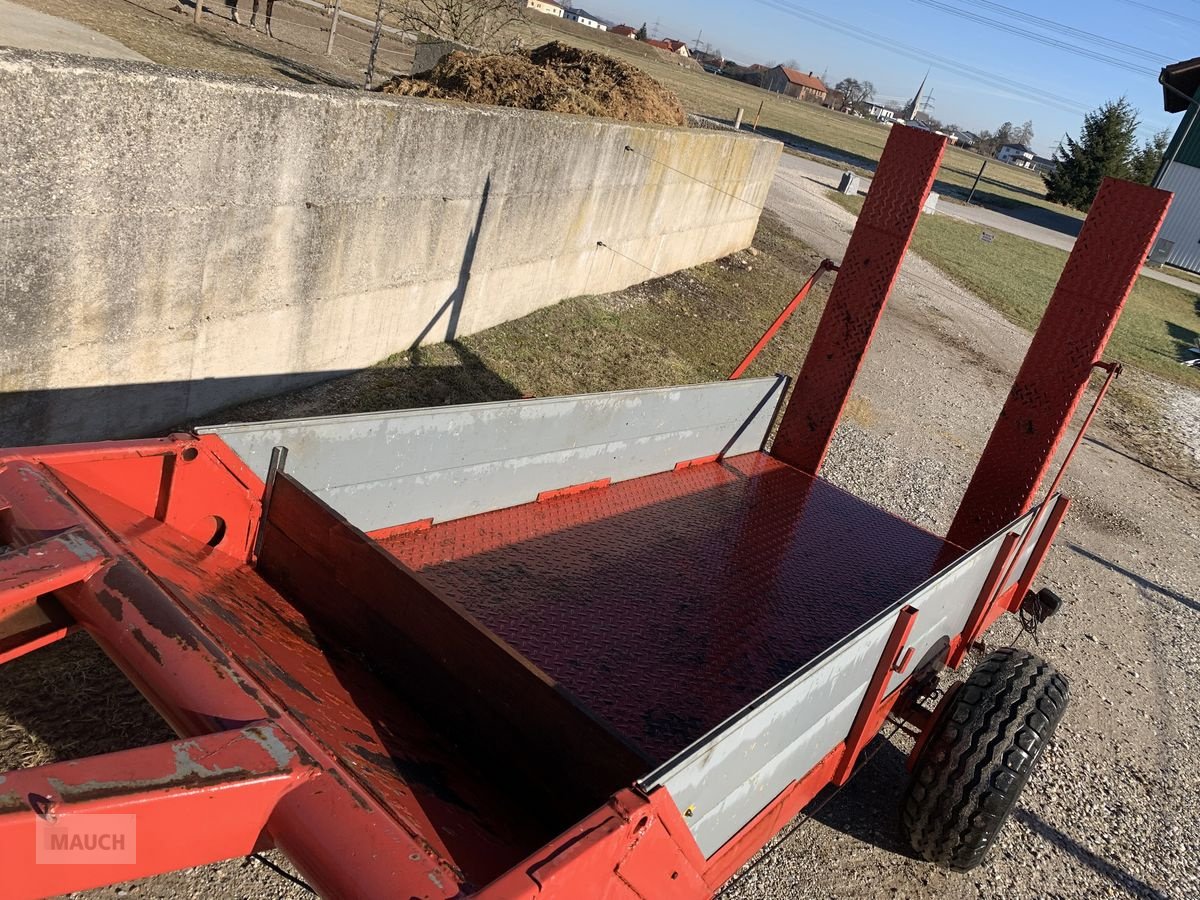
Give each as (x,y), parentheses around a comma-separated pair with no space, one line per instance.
(1111,813)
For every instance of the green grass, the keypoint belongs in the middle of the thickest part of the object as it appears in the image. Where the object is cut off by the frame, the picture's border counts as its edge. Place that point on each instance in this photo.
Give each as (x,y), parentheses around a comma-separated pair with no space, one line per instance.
(1184,274)
(1017,277)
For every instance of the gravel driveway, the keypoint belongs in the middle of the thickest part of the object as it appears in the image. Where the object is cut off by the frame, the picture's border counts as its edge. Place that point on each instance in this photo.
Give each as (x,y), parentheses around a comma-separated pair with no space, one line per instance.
(1112,811)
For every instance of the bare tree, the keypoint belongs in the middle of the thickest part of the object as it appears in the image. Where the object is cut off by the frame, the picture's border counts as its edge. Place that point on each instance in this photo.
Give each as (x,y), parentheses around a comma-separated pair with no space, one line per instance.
(486,24)
(491,25)
(855,93)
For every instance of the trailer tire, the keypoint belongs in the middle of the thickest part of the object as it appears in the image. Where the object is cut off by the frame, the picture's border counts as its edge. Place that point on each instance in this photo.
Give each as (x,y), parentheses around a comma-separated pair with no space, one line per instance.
(979,756)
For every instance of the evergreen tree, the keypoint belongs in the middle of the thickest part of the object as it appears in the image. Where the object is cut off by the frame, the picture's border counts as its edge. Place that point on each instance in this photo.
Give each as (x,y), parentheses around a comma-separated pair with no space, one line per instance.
(1146,161)
(642,34)
(1105,148)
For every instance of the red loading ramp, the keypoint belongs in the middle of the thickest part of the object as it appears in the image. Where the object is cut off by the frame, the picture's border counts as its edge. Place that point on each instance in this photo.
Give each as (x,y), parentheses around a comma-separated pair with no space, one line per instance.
(669,602)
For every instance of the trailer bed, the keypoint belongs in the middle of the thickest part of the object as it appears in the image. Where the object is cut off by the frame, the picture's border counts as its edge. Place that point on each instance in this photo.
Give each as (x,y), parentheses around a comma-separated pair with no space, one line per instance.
(667,603)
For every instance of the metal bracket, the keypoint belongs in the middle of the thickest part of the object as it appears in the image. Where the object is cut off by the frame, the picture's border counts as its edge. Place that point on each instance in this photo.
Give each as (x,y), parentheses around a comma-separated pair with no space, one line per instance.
(874,707)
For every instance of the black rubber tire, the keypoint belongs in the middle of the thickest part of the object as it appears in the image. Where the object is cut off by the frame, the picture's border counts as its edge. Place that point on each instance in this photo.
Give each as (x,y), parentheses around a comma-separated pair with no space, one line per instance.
(979,756)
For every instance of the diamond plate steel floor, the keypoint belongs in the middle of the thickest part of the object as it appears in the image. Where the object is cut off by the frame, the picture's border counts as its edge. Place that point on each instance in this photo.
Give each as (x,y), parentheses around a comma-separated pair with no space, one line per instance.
(667,603)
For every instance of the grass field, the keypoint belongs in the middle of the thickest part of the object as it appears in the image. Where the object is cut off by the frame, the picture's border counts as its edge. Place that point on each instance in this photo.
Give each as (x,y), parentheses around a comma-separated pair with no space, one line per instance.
(818,131)
(812,129)
(1017,277)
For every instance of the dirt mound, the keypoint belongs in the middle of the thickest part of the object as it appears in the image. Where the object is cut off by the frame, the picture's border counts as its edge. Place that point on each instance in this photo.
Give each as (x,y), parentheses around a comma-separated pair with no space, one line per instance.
(553,78)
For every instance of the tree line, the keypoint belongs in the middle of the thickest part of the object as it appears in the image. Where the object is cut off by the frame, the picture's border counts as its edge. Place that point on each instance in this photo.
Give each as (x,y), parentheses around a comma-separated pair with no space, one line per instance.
(1107,147)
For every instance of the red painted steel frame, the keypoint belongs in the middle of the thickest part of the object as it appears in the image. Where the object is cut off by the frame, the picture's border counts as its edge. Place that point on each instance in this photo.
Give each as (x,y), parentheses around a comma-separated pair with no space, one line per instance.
(221,787)
(872,711)
(868,271)
(342,840)
(1100,273)
(827,265)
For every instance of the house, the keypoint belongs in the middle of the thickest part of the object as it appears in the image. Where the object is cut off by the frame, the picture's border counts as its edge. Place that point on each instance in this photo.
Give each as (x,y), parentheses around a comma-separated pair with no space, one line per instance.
(967,139)
(549,7)
(783,80)
(1017,155)
(880,112)
(679,48)
(713,62)
(625,31)
(583,17)
(1044,164)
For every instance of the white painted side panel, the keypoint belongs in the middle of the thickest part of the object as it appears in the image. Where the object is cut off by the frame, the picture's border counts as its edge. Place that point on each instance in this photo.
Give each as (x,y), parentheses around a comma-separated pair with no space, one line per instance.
(392,468)
(1182,225)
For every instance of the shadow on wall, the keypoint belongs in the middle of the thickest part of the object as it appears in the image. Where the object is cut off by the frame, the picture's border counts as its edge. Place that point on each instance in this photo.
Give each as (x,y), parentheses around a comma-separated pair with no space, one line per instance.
(454,303)
(26,418)
(67,415)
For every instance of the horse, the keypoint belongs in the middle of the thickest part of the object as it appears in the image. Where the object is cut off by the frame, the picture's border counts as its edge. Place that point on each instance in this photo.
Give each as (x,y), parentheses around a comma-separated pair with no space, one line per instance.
(269,11)
(233,11)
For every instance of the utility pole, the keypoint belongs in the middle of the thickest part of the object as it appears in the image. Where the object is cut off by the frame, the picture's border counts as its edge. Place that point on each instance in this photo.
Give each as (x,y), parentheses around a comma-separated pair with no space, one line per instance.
(337,12)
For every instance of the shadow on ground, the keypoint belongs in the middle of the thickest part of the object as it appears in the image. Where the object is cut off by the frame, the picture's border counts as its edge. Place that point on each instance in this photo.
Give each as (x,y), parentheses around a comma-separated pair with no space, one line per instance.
(868,807)
(1145,585)
(1096,863)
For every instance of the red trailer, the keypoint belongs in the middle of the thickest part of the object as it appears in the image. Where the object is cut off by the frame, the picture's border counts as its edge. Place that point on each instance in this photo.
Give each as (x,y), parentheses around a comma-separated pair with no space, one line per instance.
(594,646)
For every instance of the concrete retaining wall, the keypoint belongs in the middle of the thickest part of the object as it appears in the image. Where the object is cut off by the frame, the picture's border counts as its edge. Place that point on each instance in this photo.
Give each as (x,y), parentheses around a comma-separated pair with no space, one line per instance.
(173,242)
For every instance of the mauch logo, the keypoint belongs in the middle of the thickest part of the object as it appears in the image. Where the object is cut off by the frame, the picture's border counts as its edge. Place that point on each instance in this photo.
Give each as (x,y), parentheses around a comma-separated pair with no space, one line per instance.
(86,839)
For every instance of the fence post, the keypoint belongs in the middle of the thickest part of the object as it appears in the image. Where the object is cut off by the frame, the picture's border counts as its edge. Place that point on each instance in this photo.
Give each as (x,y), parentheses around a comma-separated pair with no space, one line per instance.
(337,12)
(199,11)
(757,115)
(737,122)
(976,184)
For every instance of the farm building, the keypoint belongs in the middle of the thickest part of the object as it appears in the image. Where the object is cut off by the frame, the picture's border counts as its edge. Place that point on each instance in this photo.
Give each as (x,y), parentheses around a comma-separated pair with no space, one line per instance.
(783,80)
(1179,240)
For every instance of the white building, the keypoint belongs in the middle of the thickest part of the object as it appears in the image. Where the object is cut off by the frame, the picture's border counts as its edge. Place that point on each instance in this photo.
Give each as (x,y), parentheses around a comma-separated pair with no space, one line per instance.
(1178,241)
(1017,155)
(880,112)
(583,17)
(549,7)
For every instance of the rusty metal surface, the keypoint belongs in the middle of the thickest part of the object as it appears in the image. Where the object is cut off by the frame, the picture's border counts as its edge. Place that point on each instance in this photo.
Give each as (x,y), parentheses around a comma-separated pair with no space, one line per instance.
(387,751)
(1087,302)
(223,785)
(869,269)
(668,603)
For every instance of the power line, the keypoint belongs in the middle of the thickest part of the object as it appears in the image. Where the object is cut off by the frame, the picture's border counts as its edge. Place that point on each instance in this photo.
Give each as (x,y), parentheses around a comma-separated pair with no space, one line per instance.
(1163,12)
(1046,40)
(922,55)
(1013,87)
(1053,25)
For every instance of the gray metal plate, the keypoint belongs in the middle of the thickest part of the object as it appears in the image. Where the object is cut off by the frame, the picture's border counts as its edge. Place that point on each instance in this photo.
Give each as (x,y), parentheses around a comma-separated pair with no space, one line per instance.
(391,468)
(735,771)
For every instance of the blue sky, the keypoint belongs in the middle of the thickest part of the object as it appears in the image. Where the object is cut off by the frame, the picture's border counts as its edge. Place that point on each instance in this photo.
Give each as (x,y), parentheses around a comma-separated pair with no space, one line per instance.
(892,42)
